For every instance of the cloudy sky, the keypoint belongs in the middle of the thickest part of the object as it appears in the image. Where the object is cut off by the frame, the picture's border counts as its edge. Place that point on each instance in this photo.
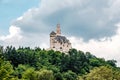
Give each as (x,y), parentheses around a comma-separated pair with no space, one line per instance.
(91,25)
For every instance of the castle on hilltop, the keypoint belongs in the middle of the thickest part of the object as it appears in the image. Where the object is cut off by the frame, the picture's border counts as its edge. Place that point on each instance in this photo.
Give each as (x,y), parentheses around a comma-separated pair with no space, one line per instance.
(58,42)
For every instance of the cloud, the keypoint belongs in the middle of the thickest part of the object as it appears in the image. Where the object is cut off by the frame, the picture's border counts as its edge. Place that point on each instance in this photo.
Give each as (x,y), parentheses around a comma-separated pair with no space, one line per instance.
(87,19)
(14,32)
(17,38)
(13,37)
(107,47)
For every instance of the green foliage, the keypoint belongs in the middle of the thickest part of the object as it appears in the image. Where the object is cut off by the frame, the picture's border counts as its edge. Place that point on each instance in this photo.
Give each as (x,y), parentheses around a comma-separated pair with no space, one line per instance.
(75,61)
(37,64)
(70,75)
(20,56)
(101,73)
(29,74)
(80,78)
(116,73)
(112,62)
(1,51)
(6,70)
(95,62)
(21,69)
(58,76)
(44,75)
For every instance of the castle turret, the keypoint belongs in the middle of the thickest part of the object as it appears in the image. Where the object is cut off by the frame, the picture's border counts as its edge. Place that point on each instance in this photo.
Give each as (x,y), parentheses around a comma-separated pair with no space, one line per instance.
(58,31)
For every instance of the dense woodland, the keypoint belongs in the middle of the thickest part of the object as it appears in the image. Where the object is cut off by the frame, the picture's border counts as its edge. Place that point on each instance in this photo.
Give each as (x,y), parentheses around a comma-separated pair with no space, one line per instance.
(26,63)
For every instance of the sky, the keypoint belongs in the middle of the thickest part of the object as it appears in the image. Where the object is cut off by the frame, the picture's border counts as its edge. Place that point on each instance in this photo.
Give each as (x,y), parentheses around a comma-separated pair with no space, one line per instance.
(90,25)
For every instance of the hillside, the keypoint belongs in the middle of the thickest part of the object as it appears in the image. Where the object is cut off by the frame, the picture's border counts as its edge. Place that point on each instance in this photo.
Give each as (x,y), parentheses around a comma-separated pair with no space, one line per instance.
(39,64)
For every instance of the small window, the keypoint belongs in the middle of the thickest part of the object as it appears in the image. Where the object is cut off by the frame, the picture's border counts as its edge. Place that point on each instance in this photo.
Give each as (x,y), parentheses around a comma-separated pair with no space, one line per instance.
(53,46)
(60,47)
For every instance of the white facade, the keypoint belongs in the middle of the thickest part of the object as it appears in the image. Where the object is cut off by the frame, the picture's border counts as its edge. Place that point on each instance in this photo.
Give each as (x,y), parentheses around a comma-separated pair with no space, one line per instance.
(58,42)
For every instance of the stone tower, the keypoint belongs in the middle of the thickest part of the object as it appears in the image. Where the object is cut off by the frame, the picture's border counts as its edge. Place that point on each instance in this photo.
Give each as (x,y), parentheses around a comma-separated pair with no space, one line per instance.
(58,42)
(58,31)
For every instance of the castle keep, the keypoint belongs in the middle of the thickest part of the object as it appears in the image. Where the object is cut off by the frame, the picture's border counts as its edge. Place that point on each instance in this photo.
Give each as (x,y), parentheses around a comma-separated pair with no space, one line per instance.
(58,42)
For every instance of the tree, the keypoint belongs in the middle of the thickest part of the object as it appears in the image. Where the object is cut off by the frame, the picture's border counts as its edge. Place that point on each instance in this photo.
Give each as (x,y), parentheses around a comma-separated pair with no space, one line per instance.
(116,73)
(58,76)
(54,57)
(76,61)
(80,78)
(112,62)
(44,75)
(6,70)
(20,56)
(89,55)
(20,70)
(29,74)
(70,75)
(1,51)
(100,73)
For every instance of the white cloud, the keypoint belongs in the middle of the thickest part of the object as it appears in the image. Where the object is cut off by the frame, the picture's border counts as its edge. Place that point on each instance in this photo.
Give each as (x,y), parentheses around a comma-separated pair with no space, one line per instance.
(14,32)
(13,37)
(108,48)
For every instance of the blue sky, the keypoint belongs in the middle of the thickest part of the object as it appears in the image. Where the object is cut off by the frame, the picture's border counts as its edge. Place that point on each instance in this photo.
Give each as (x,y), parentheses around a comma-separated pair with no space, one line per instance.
(12,9)
(90,25)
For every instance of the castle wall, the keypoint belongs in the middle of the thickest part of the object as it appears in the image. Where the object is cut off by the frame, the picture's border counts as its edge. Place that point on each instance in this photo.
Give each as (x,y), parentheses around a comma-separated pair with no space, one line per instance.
(55,45)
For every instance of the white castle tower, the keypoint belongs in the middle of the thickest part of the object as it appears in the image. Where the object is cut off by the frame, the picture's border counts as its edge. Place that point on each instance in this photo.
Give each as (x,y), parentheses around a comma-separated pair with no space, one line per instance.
(58,42)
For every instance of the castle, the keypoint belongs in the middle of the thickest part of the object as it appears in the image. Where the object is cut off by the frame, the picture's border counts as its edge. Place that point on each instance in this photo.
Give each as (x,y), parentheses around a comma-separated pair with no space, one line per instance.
(58,42)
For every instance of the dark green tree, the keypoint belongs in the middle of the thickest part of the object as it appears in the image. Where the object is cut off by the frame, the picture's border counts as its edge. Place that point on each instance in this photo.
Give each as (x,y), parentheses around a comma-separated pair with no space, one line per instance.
(70,75)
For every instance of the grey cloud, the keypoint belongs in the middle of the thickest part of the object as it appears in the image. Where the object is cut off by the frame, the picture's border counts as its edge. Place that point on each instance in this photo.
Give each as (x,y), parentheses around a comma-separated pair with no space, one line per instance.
(87,19)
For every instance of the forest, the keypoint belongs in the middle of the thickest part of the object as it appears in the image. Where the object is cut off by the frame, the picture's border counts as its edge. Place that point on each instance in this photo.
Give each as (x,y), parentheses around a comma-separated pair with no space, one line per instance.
(25,63)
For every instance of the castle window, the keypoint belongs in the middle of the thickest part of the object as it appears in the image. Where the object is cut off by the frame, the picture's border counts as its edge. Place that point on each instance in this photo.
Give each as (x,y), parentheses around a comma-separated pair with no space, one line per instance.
(53,46)
(54,42)
(60,47)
